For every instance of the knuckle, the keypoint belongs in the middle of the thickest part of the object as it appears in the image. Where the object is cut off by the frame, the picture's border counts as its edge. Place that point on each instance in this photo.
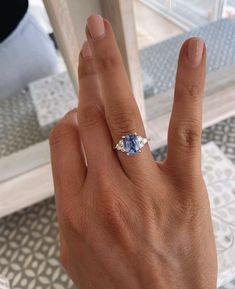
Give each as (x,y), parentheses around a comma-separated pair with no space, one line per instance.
(58,133)
(86,70)
(116,214)
(189,208)
(62,129)
(89,115)
(122,122)
(192,91)
(107,61)
(187,135)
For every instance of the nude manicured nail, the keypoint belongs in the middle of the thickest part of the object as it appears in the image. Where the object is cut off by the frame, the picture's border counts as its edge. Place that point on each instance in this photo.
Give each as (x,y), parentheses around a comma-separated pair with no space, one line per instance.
(86,50)
(95,24)
(195,51)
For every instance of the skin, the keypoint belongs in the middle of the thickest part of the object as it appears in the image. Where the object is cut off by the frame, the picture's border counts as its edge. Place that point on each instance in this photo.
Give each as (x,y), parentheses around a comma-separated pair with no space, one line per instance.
(127,221)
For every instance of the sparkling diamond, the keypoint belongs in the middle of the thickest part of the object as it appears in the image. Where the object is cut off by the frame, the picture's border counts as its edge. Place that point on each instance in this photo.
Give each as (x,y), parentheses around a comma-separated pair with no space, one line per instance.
(120,146)
(142,141)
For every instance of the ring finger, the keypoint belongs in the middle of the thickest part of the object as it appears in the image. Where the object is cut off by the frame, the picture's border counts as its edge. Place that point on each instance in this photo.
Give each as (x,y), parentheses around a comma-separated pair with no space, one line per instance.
(121,111)
(91,121)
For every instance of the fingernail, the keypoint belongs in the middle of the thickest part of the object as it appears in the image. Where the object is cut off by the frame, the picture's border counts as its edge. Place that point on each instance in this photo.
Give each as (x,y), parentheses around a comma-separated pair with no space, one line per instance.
(86,50)
(195,51)
(95,24)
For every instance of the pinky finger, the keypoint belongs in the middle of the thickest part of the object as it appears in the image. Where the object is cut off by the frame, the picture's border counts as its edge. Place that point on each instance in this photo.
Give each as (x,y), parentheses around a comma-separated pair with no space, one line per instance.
(68,166)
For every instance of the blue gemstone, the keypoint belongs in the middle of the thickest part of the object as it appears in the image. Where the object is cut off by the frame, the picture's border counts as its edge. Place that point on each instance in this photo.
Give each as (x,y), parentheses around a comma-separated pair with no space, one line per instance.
(131,144)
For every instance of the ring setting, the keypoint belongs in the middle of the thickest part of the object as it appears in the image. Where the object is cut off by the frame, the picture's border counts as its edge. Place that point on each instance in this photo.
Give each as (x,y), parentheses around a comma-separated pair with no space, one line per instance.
(131,144)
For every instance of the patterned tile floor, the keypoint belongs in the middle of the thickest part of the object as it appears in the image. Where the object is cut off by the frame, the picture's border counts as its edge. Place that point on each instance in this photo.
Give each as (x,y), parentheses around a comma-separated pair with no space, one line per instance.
(29,248)
(19,127)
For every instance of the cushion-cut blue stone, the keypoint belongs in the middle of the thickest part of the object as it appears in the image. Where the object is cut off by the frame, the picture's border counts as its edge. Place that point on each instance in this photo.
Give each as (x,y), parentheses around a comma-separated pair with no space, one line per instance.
(131,144)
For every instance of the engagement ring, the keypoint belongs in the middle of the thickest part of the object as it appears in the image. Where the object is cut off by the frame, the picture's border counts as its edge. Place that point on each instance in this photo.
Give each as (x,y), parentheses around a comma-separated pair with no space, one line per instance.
(131,144)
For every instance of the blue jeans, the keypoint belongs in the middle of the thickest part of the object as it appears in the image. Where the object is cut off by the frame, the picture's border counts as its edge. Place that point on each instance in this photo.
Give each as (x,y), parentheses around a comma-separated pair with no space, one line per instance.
(26,55)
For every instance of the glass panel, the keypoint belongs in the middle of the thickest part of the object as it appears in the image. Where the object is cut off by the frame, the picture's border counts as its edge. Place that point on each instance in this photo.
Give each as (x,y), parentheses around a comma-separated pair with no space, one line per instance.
(229,9)
(198,12)
(189,14)
(161,2)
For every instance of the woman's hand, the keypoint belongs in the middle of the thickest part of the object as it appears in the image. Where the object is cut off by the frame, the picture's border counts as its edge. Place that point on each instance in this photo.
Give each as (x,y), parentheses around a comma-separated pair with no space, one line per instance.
(128,221)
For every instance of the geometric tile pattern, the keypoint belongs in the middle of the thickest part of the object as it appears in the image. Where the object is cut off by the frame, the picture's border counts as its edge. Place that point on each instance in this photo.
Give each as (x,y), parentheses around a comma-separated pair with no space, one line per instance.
(52,96)
(223,134)
(219,175)
(159,61)
(29,249)
(19,127)
(29,245)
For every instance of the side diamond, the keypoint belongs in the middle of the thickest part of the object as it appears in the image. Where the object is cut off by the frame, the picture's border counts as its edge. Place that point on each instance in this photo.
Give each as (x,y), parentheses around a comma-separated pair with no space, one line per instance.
(142,141)
(120,146)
